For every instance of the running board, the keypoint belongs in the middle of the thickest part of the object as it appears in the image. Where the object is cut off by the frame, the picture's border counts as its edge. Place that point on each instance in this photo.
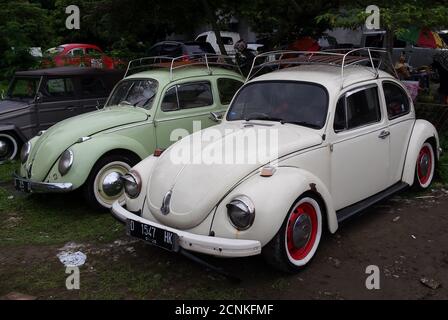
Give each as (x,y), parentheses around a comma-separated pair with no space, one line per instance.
(348,212)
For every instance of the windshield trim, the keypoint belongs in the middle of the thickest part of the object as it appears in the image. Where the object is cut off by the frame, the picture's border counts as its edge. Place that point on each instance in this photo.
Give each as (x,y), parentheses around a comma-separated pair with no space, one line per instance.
(132,79)
(327,98)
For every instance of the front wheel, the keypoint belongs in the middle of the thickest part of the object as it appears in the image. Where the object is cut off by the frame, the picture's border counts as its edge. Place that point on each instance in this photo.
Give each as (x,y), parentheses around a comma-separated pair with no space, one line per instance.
(425,167)
(9,147)
(104,186)
(297,240)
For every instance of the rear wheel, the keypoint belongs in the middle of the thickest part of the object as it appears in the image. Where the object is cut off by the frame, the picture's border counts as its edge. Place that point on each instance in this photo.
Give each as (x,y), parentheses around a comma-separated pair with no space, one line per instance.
(297,240)
(9,147)
(104,186)
(425,167)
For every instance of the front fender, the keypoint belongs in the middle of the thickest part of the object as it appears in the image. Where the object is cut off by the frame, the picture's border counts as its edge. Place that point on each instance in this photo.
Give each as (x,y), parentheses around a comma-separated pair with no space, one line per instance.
(422,131)
(87,153)
(273,197)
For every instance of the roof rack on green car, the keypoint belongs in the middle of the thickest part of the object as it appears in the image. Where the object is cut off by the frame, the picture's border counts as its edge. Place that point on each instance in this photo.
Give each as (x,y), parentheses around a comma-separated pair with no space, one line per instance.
(184,61)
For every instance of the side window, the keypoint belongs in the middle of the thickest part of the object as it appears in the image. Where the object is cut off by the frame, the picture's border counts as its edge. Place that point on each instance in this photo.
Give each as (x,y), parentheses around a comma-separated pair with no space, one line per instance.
(188,96)
(76,52)
(358,109)
(93,86)
(93,52)
(363,108)
(227,89)
(202,39)
(397,100)
(59,87)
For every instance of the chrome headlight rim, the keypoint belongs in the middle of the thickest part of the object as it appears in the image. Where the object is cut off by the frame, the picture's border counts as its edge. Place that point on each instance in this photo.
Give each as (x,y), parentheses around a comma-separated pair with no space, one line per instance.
(25,152)
(63,166)
(132,177)
(244,204)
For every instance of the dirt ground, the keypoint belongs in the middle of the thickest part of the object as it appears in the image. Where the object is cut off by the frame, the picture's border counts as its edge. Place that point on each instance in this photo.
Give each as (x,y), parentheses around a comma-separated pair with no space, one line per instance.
(406,237)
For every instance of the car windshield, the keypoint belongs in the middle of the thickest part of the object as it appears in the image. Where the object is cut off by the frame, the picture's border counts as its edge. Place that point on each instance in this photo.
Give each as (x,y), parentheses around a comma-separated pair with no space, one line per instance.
(300,103)
(137,93)
(23,88)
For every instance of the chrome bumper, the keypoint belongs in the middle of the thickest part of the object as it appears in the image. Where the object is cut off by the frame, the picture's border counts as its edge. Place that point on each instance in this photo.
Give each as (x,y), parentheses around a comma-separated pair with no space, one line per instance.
(214,246)
(29,186)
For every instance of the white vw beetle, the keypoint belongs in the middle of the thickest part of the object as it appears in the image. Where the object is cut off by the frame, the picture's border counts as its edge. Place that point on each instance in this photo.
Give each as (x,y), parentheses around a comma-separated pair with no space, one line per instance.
(347,138)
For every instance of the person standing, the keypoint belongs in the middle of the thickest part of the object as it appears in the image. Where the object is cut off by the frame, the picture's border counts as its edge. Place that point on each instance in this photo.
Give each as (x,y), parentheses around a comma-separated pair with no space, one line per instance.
(244,57)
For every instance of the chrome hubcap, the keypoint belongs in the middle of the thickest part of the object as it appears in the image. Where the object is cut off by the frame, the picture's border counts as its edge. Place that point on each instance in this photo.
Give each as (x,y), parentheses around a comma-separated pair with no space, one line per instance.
(424,164)
(112,184)
(4,148)
(302,231)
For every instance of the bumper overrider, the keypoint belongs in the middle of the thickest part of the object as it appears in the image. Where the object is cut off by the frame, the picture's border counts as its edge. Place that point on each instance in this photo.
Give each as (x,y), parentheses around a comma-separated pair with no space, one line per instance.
(30,186)
(214,246)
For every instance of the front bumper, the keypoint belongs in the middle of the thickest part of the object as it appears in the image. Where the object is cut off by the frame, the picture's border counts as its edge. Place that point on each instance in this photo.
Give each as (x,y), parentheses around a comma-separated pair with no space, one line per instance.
(220,247)
(29,186)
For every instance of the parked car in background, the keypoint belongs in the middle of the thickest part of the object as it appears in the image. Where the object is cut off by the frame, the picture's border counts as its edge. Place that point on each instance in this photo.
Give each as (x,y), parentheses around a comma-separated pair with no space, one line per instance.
(228,38)
(174,49)
(38,99)
(92,151)
(78,54)
(347,137)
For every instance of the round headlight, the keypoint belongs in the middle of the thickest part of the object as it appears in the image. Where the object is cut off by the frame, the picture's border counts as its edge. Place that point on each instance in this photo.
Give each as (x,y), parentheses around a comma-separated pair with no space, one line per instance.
(65,162)
(241,212)
(132,184)
(25,152)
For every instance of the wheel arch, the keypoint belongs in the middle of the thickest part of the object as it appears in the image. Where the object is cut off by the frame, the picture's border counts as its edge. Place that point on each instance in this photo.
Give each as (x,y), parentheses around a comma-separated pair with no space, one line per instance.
(422,132)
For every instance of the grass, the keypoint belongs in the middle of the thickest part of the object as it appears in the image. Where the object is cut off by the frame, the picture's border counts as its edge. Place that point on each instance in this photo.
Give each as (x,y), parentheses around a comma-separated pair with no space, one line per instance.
(6,171)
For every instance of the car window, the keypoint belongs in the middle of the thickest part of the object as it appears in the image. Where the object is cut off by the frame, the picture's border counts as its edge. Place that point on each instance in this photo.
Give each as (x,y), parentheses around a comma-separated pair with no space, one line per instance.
(188,96)
(302,103)
(76,52)
(137,93)
(172,50)
(202,39)
(93,86)
(92,51)
(397,101)
(227,41)
(200,47)
(227,89)
(59,87)
(23,88)
(358,109)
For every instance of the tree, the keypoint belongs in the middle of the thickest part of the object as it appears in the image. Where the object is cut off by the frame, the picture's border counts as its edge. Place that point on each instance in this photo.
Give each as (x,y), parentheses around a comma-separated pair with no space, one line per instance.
(396,16)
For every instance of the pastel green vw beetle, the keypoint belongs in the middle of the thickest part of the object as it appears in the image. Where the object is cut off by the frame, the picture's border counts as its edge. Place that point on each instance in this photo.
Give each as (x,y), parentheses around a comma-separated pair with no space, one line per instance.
(92,151)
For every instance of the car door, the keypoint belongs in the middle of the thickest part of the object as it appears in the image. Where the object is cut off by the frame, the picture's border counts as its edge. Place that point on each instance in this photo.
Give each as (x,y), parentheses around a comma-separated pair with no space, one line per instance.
(92,93)
(57,102)
(360,147)
(184,107)
(401,122)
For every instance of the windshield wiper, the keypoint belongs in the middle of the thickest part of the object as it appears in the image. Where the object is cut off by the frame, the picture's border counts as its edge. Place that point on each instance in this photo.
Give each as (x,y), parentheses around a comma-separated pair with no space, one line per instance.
(301,123)
(263,118)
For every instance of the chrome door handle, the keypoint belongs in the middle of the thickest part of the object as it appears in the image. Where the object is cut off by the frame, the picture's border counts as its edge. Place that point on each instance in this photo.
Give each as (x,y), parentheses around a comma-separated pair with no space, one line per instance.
(384,134)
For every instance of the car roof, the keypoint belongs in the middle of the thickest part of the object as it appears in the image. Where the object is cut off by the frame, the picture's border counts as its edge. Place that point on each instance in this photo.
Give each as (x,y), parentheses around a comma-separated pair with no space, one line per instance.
(68,71)
(78,45)
(164,75)
(328,76)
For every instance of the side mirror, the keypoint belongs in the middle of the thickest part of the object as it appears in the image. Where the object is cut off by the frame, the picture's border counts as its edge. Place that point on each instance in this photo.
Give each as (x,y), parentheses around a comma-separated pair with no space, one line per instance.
(39,97)
(216,116)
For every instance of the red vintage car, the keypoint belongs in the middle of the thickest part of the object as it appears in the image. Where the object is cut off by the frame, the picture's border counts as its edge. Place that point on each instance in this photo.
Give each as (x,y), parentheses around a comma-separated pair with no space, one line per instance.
(78,54)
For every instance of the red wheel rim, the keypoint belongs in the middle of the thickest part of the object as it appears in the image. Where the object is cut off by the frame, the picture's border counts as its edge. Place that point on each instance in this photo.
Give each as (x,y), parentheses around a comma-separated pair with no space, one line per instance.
(306,212)
(424,165)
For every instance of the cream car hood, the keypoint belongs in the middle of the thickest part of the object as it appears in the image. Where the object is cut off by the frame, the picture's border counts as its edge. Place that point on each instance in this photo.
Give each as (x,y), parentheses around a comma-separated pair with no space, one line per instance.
(196,188)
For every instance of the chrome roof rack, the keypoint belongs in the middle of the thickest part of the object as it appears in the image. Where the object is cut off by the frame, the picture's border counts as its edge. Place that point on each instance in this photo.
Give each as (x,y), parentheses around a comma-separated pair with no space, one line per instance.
(185,61)
(343,58)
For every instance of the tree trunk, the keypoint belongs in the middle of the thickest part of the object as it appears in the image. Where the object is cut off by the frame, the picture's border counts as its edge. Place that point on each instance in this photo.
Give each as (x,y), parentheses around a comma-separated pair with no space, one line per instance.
(212,19)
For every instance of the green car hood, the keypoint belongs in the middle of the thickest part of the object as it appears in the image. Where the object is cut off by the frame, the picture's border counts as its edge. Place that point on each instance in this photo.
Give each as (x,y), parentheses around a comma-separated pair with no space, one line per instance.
(48,148)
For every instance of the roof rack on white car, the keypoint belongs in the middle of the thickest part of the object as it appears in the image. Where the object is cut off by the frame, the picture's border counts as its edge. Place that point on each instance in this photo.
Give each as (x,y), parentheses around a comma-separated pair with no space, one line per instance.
(344,58)
(184,61)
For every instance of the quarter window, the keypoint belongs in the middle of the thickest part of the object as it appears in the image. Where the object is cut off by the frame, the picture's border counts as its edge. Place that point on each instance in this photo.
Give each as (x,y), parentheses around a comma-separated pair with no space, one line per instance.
(357,109)
(227,89)
(397,100)
(188,96)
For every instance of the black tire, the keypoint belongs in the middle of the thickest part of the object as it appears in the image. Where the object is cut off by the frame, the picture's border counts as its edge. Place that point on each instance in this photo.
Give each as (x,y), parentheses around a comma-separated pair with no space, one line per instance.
(95,197)
(425,167)
(276,252)
(12,145)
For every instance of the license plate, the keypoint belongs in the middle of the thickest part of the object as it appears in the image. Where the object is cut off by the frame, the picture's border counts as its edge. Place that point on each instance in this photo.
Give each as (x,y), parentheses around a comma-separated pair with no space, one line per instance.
(21,185)
(161,238)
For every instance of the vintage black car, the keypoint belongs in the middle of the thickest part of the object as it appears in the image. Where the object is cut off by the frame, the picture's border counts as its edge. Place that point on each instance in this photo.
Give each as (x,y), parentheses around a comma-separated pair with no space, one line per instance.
(38,99)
